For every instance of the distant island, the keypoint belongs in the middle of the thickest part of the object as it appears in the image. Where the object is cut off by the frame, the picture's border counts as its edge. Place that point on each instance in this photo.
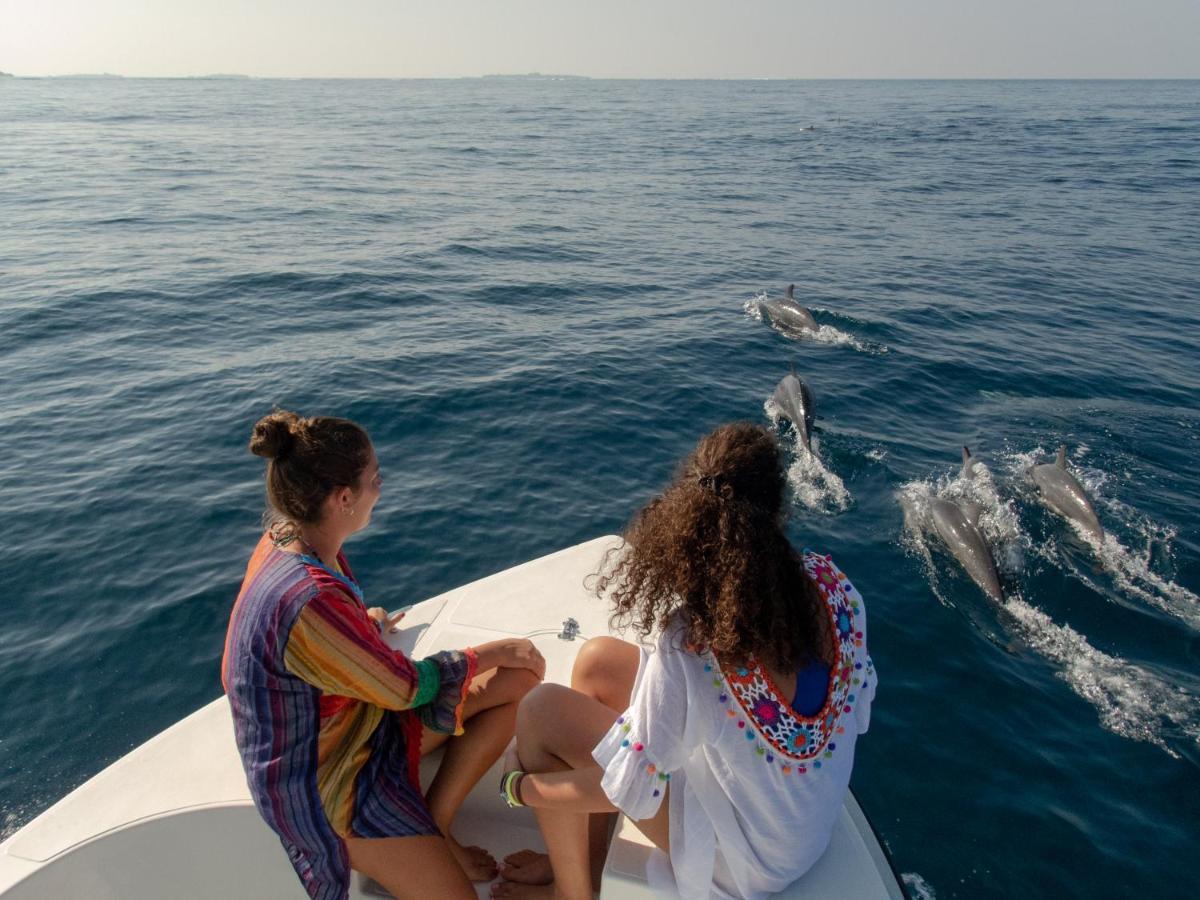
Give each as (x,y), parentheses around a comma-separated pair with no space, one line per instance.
(7,75)
(528,76)
(218,76)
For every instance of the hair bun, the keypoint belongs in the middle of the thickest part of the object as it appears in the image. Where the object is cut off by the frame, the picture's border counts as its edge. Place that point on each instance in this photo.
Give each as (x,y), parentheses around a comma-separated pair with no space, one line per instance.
(274,434)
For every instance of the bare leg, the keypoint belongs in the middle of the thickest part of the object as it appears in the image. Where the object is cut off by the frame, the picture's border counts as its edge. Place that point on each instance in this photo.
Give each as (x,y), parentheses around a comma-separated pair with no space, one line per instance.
(605,670)
(489,716)
(411,867)
(556,730)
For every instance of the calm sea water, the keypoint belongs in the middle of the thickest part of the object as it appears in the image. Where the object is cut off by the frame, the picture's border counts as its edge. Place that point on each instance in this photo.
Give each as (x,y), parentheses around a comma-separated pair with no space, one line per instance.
(537,295)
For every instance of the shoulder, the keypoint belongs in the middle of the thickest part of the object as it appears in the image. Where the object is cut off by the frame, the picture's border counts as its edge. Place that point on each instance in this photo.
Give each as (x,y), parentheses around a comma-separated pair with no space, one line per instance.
(829,577)
(278,580)
(673,651)
(290,589)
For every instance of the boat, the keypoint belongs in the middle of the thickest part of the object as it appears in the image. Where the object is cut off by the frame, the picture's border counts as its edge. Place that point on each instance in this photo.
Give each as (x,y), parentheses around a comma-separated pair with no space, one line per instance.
(173,818)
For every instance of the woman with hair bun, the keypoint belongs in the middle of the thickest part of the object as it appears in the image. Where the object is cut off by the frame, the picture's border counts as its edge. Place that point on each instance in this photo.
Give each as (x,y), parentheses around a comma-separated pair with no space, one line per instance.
(730,743)
(331,723)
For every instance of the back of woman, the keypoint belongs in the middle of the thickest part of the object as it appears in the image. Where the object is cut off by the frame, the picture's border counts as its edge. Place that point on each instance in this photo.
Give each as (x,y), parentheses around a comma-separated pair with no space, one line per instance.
(729,742)
(756,777)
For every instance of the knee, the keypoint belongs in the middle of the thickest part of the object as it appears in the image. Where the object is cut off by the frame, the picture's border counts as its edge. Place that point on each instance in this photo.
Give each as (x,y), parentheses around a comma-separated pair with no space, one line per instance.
(539,709)
(512,685)
(596,663)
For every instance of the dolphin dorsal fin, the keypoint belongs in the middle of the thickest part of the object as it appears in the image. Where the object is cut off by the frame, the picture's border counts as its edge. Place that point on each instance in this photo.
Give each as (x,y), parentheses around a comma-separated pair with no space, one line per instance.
(968,462)
(972,511)
(791,291)
(1061,460)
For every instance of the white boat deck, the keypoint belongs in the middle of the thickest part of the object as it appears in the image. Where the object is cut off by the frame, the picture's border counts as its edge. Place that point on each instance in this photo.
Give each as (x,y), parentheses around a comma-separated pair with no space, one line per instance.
(173,818)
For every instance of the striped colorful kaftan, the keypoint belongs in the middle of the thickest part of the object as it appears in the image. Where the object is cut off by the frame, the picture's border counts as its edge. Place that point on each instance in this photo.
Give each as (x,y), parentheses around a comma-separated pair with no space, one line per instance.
(327,717)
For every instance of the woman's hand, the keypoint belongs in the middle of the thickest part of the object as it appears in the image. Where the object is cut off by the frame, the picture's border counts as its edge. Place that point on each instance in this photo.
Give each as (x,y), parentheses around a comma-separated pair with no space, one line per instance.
(387,624)
(511,653)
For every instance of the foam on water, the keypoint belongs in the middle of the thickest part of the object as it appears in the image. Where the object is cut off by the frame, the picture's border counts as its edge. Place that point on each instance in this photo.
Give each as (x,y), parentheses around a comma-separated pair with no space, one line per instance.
(1133,701)
(825,334)
(918,887)
(1131,569)
(914,500)
(814,486)
(998,520)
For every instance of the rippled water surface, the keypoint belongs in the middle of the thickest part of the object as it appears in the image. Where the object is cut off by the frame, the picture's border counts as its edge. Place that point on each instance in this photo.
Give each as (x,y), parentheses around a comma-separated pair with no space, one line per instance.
(537,295)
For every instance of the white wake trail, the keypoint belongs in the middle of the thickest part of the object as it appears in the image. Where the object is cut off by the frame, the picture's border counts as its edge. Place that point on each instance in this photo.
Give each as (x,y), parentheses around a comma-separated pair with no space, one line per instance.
(1132,701)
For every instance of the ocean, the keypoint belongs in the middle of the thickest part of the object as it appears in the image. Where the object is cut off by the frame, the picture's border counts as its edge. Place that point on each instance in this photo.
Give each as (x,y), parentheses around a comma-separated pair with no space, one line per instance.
(537,294)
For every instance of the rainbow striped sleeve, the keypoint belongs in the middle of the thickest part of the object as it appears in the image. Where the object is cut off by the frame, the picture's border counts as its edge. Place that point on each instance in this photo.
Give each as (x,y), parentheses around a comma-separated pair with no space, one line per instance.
(335,647)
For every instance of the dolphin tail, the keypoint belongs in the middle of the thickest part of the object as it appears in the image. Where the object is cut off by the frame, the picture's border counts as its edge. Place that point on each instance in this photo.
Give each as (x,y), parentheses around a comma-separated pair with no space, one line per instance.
(791,291)
(1061,460)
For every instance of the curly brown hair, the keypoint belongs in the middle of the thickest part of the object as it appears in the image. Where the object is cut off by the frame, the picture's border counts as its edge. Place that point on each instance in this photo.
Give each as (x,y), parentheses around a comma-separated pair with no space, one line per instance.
(711,549)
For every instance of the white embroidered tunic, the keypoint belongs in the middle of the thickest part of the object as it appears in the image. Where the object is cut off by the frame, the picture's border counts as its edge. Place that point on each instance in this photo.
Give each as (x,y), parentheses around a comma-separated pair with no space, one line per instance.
(755,788)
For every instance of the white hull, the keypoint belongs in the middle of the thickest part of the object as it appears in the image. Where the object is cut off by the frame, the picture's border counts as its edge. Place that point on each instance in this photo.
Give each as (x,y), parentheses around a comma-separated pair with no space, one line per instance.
(173,818)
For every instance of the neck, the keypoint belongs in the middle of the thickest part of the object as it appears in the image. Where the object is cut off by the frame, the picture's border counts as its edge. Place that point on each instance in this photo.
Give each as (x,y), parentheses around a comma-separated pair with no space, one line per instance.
(323,542)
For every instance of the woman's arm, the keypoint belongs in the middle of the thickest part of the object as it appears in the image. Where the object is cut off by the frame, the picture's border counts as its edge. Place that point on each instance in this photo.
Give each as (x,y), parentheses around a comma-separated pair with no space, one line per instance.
(511,653)
(337,649)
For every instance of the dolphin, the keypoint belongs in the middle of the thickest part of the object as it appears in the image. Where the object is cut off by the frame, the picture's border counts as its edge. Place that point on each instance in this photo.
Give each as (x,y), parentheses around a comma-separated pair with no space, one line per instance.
(969,463)
(788,314)
(958,527)
(795,402)
(1065,495)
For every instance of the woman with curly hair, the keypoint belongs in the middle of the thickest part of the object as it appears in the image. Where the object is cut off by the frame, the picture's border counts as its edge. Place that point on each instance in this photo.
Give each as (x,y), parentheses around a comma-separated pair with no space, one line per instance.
(743,715)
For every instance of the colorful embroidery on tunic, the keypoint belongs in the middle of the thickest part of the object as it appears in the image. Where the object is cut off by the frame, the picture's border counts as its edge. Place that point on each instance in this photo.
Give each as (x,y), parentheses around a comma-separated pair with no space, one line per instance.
(794,741)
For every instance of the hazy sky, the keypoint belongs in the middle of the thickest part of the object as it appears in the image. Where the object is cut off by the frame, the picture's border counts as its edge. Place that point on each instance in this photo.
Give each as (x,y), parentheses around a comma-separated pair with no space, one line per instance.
(617,38)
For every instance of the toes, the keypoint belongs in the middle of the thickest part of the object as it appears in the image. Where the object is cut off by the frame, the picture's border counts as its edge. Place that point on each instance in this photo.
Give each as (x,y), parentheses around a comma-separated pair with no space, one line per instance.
(527,867)
(481,856)
(477,863)
(521,857)
(484,867)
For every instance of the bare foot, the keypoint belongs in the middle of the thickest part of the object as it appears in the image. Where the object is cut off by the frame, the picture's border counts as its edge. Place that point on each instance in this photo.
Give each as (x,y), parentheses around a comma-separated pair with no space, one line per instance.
(475,861)
(527,867)
(510,890)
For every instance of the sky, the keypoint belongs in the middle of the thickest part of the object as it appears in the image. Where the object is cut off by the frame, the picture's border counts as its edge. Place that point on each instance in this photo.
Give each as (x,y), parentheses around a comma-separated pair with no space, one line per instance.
(605,38)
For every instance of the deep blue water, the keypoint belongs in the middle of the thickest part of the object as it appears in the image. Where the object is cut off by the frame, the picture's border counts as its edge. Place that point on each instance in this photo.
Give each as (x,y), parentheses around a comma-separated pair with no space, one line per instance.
(537,295)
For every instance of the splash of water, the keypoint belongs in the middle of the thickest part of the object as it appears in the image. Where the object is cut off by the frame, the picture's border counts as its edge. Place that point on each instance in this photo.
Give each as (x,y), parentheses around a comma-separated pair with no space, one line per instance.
(813,485)
(918,887)
(1131,569)
(998,520)
(1132,701)
(914,500)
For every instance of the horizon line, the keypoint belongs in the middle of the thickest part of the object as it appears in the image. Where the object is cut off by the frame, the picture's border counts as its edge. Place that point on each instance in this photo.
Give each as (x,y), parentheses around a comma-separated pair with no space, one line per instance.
(551,76)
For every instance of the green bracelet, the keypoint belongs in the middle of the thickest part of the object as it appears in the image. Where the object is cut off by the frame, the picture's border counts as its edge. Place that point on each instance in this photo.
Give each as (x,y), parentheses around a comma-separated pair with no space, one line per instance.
(510,788)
